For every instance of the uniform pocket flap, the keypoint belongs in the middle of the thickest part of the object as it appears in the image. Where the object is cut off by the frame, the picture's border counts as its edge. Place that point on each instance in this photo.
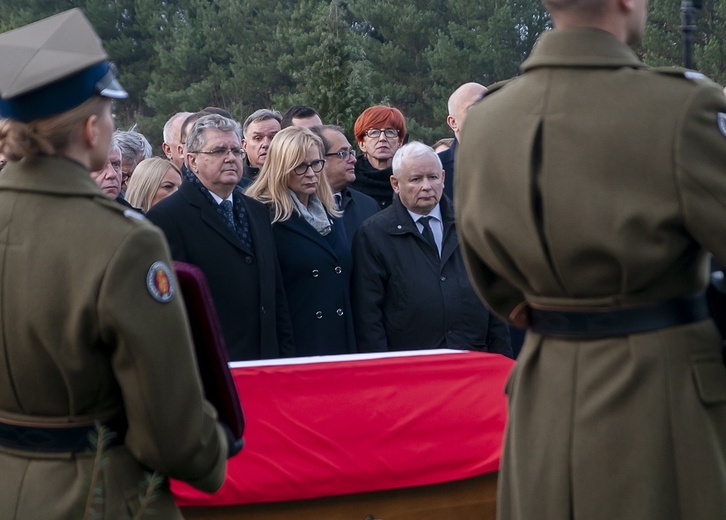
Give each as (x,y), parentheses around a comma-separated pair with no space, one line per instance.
(710,379)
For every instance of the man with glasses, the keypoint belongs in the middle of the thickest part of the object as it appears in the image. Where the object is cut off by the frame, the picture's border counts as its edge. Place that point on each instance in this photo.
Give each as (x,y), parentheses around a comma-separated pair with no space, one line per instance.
(210,223)
(340,172)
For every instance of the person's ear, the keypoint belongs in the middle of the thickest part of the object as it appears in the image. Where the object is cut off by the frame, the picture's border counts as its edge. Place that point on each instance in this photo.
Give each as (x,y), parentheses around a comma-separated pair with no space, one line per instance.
(91,131)
(191,161)
(451,121)
(394,184)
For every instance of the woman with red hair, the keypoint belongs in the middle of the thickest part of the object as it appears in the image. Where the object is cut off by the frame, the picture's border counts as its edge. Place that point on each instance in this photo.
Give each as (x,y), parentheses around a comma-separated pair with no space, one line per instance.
(379,131)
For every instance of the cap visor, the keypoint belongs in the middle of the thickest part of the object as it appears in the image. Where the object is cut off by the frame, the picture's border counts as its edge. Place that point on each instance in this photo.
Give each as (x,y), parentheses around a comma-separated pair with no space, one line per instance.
(114,90)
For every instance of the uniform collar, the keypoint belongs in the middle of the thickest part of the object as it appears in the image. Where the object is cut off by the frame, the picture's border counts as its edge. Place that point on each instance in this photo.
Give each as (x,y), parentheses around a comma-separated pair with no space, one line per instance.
(49,175)
(581,47)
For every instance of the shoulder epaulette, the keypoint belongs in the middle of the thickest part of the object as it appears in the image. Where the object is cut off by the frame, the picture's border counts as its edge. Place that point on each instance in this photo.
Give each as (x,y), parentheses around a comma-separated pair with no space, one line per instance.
(681,73)
(496,86)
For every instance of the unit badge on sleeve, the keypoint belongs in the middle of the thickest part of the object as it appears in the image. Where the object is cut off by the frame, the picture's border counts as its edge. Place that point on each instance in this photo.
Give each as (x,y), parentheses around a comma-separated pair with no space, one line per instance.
(159,282)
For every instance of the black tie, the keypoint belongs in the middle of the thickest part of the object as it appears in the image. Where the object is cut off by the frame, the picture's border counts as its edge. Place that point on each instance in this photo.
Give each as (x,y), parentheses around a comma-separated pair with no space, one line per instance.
(427,233)
(228,213)
(338,201)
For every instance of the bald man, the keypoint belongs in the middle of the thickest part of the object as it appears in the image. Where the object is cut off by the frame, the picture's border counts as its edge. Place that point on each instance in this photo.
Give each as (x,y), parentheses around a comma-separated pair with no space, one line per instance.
(459,103)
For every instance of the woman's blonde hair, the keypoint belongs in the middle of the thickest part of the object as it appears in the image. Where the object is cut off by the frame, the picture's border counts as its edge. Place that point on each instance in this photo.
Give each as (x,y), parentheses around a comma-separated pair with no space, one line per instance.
(47,136)
(287,150)
(145,181)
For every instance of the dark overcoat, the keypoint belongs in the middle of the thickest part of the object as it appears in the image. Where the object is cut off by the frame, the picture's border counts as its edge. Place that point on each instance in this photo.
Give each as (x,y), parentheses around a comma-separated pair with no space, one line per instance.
(356,207)
(405,297)
(246,285)
(447,162)
(316,271)
(592,180)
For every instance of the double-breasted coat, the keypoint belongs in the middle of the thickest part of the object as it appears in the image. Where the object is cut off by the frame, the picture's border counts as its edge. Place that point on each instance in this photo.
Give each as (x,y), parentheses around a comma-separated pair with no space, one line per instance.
(90,330)
(316,272)
(592,180)
(246,285)
(406,297)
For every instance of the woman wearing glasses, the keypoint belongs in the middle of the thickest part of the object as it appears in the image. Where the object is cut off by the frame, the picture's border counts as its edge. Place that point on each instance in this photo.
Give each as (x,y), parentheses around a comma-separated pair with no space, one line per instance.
(154,179)
(312,248)
(380,131)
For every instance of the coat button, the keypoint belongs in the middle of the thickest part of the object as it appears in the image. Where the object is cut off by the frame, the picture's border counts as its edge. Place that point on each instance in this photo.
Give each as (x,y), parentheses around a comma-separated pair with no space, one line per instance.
(339,312)
(319,315)
(248,260)
(316,273)
(443,278)
(338,269)
(262,309)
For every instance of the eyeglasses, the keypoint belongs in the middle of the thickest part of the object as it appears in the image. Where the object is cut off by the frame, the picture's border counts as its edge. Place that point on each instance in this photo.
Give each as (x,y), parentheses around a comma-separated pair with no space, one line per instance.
(315,166)
(375,133)
(343,154)
(221,152)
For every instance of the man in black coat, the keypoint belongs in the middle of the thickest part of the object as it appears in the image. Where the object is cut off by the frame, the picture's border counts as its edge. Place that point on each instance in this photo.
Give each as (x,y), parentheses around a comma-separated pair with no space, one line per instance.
(410,287)
(459,103)
(211,224)
(340,171)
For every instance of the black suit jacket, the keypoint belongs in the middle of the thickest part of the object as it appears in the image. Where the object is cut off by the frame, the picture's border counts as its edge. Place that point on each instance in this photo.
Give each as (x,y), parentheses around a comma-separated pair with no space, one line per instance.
(447,161)
(246,286)
(357,207)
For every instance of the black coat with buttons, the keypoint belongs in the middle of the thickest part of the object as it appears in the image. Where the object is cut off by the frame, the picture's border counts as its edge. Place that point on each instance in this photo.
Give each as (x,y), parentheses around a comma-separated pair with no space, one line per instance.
(246,286)
(316,272)
(405,297)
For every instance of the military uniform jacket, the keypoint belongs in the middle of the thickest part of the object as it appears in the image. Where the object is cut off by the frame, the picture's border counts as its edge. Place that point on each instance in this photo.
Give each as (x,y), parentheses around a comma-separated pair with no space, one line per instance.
(592,180)
(84,337)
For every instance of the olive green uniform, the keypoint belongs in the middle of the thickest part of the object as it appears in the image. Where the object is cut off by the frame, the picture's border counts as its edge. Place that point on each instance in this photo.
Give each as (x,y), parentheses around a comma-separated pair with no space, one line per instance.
(83,336)
(592,180)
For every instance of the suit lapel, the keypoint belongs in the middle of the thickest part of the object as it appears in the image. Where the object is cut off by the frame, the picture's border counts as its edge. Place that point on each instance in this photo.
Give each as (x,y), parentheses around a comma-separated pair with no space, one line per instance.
(210,216)
(297,224)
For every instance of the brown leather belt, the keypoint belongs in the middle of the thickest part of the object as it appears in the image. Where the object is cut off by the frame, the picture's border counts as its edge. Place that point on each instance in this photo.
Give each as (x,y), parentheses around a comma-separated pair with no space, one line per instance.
(59,437)
(594,322)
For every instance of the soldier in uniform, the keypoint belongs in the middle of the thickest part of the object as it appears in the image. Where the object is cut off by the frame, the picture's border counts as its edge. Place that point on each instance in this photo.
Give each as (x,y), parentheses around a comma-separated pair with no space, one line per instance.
(589,190)
(100,398)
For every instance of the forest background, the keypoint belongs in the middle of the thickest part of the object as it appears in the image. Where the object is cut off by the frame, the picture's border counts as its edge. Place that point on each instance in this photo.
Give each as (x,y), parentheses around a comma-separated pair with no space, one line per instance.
(337,56)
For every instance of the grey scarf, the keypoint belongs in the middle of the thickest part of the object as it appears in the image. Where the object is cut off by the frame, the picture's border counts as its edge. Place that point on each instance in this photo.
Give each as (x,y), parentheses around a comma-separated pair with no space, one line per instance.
(314,214)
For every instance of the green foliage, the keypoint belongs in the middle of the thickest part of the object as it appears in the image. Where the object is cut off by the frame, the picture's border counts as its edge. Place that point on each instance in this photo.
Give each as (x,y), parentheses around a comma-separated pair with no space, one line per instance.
(339,56)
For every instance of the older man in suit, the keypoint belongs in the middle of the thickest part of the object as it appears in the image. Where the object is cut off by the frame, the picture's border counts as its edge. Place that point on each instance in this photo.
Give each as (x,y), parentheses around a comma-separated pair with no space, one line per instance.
(589,191)
(410,288)
(211,224)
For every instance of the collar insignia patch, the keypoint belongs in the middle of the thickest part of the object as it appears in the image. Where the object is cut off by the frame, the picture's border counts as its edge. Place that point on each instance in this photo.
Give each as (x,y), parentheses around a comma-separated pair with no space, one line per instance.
(159,282)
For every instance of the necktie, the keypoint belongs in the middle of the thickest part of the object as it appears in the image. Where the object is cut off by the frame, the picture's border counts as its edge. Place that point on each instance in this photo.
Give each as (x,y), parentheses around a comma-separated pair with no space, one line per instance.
(338,201)
(427,233)
(226,208)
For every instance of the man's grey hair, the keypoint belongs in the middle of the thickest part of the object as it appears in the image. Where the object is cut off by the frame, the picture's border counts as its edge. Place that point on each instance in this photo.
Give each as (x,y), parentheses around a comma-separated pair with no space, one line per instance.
(168,127)
(262,114)
(411,150)
(196,138)
(133,145)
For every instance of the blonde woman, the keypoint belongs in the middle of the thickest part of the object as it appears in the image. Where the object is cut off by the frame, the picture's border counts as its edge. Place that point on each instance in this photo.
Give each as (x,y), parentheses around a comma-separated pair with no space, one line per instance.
(153,180)
(312,247)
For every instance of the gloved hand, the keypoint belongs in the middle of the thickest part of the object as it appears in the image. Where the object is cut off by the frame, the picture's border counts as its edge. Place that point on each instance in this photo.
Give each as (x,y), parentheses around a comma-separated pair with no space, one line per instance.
(234,445)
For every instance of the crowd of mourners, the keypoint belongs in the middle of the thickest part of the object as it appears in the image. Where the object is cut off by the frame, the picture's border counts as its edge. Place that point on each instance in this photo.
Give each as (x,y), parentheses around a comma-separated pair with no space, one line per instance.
(312,245)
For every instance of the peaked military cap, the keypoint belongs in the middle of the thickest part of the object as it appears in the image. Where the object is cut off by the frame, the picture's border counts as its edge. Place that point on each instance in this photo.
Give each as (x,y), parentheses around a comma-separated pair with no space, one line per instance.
(53,65)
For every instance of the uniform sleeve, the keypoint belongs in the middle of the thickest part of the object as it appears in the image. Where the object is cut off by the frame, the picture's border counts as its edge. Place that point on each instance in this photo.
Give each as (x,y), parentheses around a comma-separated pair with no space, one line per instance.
(701,168)
(368,292)
(171,428)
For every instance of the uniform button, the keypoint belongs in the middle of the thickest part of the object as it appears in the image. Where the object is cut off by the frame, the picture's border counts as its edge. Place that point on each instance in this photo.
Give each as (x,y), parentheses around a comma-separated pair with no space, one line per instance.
(338,269)
(248,260)
(316,273)
(443,278)
(319,315)
(339,312)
